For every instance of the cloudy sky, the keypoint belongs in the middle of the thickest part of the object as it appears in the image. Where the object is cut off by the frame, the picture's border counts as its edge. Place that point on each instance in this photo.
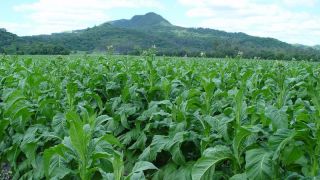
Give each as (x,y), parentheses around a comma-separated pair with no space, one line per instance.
(293,21)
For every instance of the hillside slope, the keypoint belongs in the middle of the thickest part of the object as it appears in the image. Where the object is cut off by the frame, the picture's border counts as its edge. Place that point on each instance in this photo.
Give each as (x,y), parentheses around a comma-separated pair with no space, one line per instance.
(143,31)
(317,47)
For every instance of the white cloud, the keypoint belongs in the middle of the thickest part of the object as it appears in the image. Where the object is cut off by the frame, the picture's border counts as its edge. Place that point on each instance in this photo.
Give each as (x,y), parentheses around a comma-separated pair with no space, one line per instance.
(293,3)
(13,27)
(260,19)
(47,16)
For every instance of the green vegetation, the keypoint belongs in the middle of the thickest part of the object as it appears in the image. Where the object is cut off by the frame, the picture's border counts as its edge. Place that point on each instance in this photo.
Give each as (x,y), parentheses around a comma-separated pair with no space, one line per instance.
(12,44)
(317,47)
(124,117)
(141,32)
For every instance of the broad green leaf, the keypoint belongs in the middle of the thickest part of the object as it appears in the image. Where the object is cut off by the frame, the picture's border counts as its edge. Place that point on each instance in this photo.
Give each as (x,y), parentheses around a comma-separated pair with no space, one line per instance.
(30,150)
(259,164)
(157,145)
(59,124)
(279,140)
(78,136)
(54,162)
(143,165)
(110,139)
(220,123)
(169,171)
(241,134)
(118,166)
(137,176)
(99,102)
(29,144)
(210,158)
(239,177)
(102,119)
(184,172)
(140,142)
(279,118)
(58,168)
(105,175)
(146,155)
(13,98)
(79,139)
(3,125)
(72,89)
(177,155)
(240,105)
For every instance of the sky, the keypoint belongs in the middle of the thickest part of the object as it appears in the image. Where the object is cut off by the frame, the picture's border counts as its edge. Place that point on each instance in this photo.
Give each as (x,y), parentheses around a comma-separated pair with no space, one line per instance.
(292,21)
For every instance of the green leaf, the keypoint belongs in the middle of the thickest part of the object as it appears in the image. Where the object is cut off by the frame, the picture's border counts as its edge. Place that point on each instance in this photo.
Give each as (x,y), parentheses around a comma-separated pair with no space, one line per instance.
(146,154)
(72,89)
(210,158)
(169,171)
(241,134)
(184,172)
(242,176)
(240,105)
(157,145)
(78,136)
(177,155)
(59,124)
(143,165)
(279,118)
(29,144)
(13,98)
(78,139)
(118,166)
(220,123)
(137,176)
(54,162)
(101,155)
(259,164)
(292,154)
(279,140)
(3,125)
(105,175)
(111,140)
(124,120)
(140,142)
(99,102)
(102,119)
(30,151)
(178,138)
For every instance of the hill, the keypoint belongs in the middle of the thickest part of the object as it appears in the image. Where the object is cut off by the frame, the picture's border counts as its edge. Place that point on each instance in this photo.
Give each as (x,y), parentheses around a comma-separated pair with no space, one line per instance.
(132,36)
(316,47)
(6,39)
(142,21)
(13,44)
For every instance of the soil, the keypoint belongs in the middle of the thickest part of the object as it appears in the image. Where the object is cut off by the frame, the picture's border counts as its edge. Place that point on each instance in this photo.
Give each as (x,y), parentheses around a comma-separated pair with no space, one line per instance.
(5,173)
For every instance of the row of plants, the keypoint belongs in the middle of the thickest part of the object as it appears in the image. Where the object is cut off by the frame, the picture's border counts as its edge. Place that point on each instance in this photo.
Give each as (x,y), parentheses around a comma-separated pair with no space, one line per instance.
(125,117)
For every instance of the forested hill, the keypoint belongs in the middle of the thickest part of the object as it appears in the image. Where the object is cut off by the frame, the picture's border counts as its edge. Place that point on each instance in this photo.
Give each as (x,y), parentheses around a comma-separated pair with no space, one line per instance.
(143,31)
(317,47)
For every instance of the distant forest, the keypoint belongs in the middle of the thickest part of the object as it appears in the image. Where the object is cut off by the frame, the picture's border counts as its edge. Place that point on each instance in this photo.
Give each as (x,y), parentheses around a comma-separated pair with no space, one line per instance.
(144,31)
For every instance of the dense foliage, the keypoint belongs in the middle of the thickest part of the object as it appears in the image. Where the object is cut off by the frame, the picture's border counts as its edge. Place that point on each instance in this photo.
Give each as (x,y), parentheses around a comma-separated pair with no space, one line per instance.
(12,44)
(139,117)
(317,47)
(141,32)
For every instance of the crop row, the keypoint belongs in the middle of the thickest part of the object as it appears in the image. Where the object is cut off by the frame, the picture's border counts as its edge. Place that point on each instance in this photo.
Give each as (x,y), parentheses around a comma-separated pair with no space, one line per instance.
(129,117)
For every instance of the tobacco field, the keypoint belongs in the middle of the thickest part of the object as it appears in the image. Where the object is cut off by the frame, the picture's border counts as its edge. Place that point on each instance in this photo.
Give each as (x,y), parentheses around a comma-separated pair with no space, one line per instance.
(133,118)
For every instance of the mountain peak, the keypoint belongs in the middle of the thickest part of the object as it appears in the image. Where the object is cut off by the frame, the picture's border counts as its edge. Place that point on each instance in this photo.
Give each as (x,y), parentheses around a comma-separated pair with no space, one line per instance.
(138,21)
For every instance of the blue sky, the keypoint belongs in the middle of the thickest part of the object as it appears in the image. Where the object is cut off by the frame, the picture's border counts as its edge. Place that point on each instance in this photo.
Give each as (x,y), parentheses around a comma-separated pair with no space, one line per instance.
(293,21)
